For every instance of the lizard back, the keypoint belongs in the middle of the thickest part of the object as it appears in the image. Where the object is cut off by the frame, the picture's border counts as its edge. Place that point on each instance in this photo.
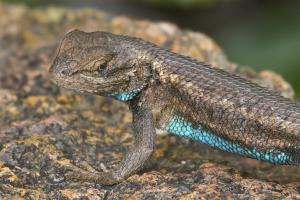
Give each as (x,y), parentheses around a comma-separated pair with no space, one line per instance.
(230,112)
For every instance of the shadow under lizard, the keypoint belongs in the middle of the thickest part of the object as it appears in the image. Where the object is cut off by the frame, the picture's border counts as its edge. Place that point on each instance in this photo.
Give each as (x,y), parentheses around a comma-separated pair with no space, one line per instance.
(177,94)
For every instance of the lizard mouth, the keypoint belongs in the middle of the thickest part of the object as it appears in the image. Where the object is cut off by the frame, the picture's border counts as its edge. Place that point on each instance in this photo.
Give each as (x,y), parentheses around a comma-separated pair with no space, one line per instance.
(87,81)
(100,81)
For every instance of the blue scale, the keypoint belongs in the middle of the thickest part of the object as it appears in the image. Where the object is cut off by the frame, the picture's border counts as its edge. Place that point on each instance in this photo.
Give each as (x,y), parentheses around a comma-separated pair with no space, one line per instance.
(181,127)
(125,96)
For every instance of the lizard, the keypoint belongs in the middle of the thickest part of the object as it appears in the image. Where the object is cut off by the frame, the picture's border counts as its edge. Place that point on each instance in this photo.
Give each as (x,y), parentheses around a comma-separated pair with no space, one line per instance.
(177,94)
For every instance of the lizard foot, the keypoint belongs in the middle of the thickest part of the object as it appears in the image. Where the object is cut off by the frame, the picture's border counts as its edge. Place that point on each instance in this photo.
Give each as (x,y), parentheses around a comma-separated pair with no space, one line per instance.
(89,174)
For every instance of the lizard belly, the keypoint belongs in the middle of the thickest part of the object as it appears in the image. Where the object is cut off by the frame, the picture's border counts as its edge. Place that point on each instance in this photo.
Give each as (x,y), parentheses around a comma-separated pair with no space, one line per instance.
(179,126)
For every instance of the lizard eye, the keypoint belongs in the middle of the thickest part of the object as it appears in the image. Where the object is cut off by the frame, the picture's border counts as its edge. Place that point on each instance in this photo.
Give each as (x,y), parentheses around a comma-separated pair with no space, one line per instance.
(100,65)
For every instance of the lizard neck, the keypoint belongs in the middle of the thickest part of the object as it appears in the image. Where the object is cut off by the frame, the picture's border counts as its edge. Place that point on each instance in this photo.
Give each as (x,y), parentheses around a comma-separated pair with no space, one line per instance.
(125,96)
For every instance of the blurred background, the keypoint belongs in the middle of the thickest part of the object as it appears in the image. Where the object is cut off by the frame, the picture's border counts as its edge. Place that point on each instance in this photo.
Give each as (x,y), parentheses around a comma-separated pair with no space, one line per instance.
(264,34)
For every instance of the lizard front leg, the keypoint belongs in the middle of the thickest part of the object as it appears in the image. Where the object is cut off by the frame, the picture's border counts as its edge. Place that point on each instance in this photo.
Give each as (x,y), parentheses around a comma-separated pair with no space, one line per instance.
(144,133)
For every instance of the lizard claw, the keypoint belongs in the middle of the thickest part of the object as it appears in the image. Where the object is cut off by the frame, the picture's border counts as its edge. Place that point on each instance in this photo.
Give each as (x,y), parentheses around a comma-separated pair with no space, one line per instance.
(90,175)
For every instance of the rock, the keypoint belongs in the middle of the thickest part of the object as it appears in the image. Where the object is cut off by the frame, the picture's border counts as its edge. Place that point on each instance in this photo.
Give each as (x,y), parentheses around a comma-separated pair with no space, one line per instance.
(43,128)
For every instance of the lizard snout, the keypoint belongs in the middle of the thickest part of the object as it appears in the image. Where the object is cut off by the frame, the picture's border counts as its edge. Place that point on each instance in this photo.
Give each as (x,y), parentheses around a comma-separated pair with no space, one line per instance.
(64,69)
(59,71)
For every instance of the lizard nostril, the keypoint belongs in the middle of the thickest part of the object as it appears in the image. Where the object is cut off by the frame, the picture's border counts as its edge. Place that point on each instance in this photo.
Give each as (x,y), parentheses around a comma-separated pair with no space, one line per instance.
(61,71)
(64,72)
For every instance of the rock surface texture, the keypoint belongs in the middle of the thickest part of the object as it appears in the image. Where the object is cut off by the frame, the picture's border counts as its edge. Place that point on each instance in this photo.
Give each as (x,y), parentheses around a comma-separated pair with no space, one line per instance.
(43,128)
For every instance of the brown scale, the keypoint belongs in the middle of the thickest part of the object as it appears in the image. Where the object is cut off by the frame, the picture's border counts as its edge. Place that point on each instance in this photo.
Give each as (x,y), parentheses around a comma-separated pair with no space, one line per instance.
(169,84)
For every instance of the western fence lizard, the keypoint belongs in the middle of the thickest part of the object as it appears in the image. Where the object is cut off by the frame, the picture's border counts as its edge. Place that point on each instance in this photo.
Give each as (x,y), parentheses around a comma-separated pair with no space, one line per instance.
(180,95)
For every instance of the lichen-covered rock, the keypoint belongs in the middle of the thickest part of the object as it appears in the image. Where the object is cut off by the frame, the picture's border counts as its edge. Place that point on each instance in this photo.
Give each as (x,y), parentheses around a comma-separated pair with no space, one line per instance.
(44,128)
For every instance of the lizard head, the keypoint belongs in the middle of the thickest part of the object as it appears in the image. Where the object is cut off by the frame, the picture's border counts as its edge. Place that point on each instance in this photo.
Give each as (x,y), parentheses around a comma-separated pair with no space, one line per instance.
(96,63)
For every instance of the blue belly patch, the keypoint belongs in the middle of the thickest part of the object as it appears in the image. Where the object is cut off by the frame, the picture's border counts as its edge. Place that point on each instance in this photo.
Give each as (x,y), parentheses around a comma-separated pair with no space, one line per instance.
(181,127)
